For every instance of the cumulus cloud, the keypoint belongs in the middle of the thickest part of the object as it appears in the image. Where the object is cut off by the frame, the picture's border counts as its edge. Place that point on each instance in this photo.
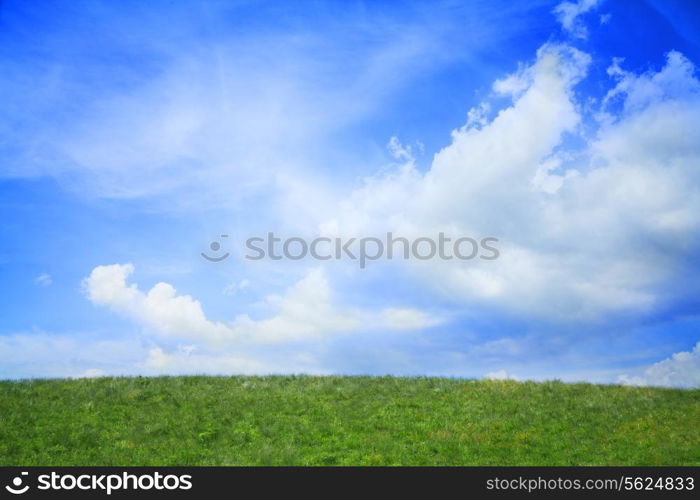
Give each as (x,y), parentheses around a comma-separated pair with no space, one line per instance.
(161,309)
(604,229)
(682,369)
(568,14)
(305,311)
(586,234)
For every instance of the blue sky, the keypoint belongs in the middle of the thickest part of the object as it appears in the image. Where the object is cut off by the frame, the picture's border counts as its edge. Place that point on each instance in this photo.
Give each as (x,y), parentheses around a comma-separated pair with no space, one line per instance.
(132,135)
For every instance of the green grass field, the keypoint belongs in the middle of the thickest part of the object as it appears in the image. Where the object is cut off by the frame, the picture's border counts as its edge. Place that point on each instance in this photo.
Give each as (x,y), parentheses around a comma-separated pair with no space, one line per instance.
(343,421)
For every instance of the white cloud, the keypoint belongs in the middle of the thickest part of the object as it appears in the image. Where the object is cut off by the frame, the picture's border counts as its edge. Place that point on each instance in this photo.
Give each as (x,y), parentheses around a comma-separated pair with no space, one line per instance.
(399,151)
(682,369)
(675,81)
(236,287)
(406,319)
(601,230)
(633,187)
(305,311)
(40,354)
(239,108)
(43,280)
(609,229)
(568,14)
(501,375)
(160,361)
(161,308)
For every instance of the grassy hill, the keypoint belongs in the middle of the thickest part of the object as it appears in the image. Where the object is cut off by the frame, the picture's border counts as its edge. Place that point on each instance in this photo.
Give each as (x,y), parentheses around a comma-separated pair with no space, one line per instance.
(343,421)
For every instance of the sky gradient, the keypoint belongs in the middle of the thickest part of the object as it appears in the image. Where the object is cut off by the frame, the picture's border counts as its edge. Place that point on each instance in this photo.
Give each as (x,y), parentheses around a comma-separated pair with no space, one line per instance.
(134,134)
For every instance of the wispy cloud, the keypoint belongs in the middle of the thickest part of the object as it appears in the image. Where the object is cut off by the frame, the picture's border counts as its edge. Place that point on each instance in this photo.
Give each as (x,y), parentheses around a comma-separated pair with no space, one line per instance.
(43,280)
(568,13)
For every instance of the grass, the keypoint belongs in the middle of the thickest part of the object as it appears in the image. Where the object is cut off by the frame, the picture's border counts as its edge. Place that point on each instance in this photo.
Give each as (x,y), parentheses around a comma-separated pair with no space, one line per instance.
(343,421)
